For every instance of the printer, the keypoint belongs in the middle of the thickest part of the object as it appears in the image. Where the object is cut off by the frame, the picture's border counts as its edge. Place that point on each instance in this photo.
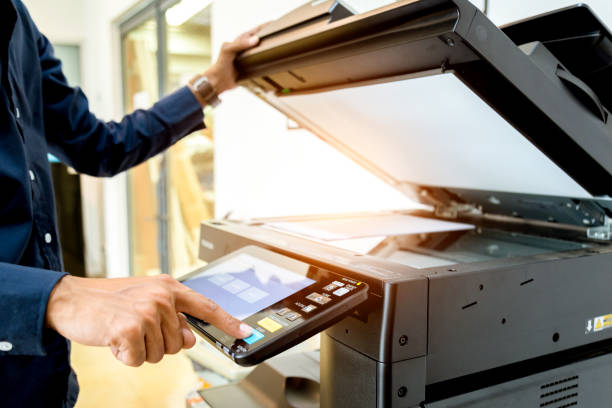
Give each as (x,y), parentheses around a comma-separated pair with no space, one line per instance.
(497,290)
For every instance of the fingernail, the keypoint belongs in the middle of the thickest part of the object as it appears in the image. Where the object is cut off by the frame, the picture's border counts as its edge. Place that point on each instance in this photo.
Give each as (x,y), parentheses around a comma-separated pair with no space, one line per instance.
(189,339)
(245,329)
(254,40)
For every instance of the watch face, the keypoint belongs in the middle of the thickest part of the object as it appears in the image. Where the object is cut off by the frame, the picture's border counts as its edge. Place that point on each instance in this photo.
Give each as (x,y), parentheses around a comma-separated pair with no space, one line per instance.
(201,81)
(206,91)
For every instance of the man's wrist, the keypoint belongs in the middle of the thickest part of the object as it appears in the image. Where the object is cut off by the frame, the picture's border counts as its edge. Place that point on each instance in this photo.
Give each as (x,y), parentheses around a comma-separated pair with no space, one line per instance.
(58,298)
(213,79)
(205,89)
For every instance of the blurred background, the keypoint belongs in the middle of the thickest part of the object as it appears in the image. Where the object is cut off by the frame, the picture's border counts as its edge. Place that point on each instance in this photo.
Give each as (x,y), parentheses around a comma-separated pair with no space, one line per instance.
(249,162)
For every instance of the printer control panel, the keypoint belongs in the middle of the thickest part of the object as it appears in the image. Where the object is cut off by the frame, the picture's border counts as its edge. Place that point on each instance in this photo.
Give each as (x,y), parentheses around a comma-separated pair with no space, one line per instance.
(283,300)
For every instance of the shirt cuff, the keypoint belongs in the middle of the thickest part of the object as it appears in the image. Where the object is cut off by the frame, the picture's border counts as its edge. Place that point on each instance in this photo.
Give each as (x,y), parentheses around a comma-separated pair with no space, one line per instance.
(185,110)
(24,294)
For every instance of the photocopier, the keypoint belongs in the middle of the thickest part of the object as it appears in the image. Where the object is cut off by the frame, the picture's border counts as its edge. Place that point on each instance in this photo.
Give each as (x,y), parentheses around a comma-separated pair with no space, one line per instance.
(496,291)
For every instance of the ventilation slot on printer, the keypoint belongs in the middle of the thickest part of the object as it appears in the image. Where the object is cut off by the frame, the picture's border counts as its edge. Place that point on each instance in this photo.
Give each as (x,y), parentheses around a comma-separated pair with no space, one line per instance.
(562,393)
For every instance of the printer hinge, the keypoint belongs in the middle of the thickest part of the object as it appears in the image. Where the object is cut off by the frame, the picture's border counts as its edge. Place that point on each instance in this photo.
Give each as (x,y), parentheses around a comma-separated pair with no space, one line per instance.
(601,232)
(444,203)
(453,210)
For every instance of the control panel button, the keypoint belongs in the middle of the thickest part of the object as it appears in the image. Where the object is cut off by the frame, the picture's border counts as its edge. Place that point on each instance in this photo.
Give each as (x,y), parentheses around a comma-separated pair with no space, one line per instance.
(330,288)
(292,316)
(309,308)
(318,298)
(269,324)
(283,311)
(253,338)
(339,284)
(341,292)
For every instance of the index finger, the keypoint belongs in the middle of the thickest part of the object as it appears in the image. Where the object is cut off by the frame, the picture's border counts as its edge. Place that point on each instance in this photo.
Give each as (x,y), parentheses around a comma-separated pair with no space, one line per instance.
(190,302)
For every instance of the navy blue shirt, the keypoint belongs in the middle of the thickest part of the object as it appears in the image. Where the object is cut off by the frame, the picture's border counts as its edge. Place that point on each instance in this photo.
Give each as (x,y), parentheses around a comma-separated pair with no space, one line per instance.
(40,114)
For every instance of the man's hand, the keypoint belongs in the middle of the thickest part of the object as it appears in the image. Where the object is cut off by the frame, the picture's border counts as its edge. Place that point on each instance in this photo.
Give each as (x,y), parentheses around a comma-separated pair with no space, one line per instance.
(222,75)
(140,319)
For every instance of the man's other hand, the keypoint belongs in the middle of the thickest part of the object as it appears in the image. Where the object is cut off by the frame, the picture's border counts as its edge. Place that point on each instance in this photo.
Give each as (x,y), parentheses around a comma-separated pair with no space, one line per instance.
(140,319)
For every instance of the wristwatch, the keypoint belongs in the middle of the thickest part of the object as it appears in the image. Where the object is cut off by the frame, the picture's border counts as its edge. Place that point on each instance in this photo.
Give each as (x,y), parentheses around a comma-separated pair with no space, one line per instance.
(206,91)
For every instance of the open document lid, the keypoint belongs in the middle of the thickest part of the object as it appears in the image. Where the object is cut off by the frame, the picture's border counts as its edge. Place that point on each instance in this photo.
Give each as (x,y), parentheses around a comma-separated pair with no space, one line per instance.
(439,102)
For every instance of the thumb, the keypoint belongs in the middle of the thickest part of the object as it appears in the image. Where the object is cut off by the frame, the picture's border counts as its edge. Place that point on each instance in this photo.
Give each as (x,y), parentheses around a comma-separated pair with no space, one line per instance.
(189,339)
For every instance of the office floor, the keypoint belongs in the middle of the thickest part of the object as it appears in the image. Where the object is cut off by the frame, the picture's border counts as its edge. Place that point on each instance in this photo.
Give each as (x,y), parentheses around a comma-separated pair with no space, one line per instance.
(105,382)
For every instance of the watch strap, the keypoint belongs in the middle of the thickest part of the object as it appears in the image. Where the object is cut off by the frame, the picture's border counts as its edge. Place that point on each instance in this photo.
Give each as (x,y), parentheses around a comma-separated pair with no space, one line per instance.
(206,91)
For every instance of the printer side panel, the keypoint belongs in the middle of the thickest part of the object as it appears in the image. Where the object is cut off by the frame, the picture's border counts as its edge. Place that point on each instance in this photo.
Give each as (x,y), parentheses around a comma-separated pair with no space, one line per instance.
(379,361)
(490,319)
(585,383)
(351,379)
(395,328)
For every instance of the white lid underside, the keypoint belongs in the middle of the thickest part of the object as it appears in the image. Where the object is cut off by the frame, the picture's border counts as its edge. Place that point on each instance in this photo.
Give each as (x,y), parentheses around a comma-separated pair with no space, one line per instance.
(435,131)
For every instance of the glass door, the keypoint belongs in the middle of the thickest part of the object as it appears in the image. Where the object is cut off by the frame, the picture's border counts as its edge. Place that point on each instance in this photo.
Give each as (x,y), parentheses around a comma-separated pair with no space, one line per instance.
(140,74)
(190,161)
(170,194)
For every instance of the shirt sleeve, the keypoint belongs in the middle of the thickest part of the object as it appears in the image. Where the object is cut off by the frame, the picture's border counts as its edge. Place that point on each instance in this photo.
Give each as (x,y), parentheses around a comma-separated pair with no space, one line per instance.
(99,148)
(23,307)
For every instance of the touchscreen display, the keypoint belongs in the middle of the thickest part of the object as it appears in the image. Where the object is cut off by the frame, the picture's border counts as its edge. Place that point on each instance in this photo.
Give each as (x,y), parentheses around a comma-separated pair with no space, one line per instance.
(244,284)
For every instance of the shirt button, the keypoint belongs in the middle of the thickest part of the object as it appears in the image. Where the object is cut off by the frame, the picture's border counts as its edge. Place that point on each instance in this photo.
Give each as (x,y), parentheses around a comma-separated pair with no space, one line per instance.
(32,176)
(5,346)
(48,238)
(17,113)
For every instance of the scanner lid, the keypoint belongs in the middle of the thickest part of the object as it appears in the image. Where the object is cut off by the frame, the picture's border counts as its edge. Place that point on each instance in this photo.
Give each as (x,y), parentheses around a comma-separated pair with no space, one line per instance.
(436,100)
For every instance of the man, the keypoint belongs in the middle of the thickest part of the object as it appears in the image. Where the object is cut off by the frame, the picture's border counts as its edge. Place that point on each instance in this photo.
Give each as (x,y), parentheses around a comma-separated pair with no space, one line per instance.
(42,308)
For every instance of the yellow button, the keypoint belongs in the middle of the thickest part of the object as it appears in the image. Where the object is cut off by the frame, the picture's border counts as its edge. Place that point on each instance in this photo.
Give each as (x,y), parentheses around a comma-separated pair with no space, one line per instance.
(269,324)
